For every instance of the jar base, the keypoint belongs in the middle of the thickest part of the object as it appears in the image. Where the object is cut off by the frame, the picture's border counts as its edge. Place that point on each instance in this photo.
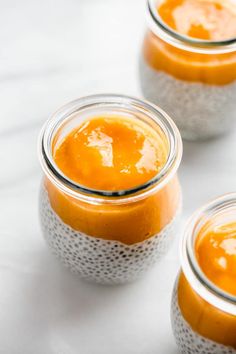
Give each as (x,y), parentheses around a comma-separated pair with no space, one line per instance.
(98,260)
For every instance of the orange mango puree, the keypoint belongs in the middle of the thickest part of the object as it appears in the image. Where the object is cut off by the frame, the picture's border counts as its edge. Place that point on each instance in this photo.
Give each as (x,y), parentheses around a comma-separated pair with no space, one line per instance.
(213,20)
(111,153)
(199,19)
(114,153)
(216,255)
(204,318)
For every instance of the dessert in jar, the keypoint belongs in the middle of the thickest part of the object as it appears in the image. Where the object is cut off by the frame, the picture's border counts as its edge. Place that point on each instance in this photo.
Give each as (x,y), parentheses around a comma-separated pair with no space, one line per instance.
(204,299)
(110,196)
(188,64)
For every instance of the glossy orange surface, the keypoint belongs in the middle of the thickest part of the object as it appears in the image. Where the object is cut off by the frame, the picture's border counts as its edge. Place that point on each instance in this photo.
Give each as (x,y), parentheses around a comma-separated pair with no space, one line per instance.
(203,19)
(111,153)
(216,255)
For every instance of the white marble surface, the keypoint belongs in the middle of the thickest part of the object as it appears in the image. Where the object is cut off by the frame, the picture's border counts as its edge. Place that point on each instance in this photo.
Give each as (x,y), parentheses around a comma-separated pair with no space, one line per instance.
(53,52)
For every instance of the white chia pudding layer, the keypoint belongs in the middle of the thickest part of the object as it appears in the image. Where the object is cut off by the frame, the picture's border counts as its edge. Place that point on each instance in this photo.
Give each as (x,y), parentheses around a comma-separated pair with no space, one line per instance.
(200,111)
(188,341)
(99,260)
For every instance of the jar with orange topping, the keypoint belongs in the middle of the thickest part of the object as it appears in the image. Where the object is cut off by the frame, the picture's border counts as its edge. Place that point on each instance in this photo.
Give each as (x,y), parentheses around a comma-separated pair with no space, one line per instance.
(188,64)
(204,299)
(110,197)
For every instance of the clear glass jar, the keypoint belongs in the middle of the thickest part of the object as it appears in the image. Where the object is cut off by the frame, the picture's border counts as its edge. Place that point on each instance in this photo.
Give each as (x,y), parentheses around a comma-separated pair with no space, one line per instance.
(193,80)
(109,237)
(203,315)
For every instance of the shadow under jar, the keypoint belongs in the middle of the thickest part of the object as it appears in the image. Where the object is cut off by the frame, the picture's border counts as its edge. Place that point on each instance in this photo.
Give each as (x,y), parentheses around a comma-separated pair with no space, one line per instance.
(192,79)
(203,308)
(109,236)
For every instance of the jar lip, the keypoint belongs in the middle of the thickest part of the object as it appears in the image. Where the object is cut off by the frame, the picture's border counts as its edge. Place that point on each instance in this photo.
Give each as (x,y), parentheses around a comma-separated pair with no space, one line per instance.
(156,114)
(181,41)
(196,277)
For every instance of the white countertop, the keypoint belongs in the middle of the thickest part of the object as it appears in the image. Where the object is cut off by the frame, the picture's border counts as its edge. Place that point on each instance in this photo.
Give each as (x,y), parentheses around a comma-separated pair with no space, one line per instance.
(53,52)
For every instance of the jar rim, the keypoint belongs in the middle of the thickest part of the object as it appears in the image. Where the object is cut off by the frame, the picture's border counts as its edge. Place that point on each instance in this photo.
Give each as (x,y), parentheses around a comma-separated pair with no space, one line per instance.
(166,33)
(157,116)
(190,266)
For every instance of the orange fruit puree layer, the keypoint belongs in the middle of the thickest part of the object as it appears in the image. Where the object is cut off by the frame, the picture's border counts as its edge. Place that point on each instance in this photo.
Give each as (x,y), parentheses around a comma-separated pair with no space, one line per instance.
(203,19)
(217,69)
(216,255)
(111,153)
(204,318)
(120,154)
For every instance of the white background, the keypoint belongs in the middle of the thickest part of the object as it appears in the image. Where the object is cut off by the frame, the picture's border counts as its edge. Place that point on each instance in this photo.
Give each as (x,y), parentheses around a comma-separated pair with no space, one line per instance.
(52,52)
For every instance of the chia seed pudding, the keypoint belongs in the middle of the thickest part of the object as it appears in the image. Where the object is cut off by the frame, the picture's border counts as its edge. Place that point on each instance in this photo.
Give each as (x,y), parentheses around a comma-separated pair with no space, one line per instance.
(99,260)
(200,111)
(103,232)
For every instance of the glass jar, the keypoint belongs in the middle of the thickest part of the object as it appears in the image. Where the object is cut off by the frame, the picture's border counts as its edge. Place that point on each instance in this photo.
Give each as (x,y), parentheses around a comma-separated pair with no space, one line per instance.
(109,237)
(193,80)
(203,315)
